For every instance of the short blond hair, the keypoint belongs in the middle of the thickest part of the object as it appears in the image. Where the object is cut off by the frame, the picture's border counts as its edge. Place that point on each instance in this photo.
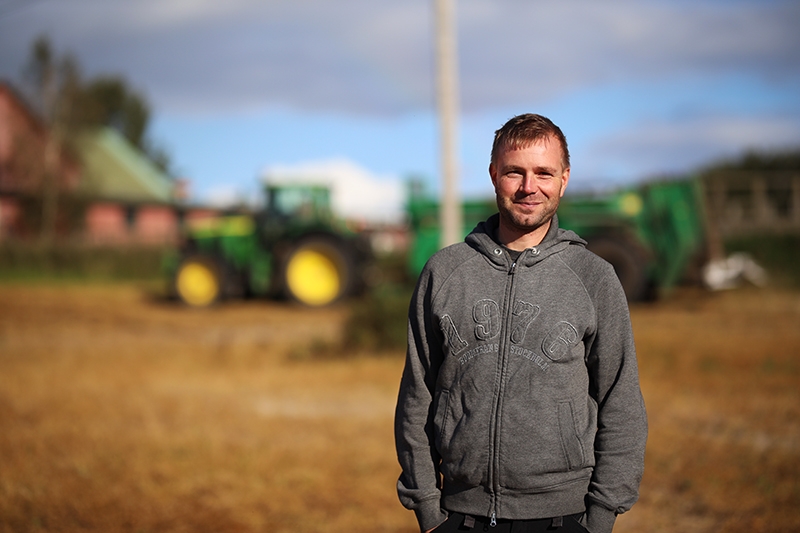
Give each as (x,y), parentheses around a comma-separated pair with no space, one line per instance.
(523,130)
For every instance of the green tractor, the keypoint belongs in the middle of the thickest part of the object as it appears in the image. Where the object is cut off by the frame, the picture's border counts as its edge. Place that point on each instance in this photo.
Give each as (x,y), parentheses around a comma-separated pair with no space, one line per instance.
(294,249)
(653,234)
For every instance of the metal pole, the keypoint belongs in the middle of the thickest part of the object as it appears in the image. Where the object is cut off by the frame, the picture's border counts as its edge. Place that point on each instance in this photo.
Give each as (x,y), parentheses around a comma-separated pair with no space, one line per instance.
(450,215)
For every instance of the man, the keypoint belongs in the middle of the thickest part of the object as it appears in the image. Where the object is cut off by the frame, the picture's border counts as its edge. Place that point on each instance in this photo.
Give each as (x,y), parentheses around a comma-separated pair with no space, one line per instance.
(519,406)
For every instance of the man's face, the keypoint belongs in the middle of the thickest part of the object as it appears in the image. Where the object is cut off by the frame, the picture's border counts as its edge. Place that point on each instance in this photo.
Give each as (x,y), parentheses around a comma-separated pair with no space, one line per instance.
(529,184)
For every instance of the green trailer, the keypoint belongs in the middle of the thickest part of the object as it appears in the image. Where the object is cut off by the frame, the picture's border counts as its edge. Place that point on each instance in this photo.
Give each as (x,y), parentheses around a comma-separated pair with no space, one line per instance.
(294,248)
(652,234)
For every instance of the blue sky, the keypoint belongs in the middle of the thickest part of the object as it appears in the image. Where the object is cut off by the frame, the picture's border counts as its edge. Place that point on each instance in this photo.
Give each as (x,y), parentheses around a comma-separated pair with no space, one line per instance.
(641,88)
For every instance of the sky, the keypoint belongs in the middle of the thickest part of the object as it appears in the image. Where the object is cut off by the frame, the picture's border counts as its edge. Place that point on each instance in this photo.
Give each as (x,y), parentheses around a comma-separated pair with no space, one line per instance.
(241,88)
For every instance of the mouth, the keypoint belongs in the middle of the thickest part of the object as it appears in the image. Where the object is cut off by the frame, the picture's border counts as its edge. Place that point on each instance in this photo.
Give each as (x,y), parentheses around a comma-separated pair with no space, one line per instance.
(528,204)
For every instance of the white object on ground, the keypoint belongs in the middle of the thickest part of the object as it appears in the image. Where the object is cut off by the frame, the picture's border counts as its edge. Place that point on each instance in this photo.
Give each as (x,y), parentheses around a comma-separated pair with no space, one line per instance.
(730,272)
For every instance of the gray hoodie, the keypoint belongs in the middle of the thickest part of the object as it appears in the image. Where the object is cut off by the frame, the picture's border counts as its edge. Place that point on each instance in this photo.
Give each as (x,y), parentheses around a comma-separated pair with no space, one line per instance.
(520,395)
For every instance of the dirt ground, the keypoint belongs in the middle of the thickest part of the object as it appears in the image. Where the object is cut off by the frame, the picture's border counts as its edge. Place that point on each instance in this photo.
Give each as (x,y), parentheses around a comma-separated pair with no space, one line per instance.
(122,412)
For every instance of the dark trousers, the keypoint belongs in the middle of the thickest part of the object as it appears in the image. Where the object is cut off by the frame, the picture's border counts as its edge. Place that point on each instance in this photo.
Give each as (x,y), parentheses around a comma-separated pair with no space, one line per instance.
(459,523)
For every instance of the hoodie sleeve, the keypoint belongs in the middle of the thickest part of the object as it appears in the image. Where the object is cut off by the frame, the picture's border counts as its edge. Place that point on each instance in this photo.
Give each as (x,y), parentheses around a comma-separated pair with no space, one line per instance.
(419,486)
(622,421)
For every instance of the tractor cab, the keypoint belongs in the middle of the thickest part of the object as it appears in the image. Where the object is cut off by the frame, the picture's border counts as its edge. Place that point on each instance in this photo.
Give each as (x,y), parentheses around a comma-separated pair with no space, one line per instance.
(298,203)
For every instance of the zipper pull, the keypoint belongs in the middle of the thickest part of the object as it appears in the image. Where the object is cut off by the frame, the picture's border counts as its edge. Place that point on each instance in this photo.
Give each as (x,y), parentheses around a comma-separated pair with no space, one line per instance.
(513,266)
(493,520)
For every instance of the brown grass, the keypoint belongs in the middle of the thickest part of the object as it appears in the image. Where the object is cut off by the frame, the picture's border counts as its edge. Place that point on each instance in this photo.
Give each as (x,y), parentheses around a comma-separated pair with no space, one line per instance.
(120,412)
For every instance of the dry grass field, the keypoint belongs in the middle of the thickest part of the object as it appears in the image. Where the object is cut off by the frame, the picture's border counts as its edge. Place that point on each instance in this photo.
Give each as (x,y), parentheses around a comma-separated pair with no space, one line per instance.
(120,412)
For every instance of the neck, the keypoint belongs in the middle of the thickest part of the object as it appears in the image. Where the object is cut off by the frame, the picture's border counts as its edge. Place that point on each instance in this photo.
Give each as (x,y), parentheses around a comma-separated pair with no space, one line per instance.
(518,240)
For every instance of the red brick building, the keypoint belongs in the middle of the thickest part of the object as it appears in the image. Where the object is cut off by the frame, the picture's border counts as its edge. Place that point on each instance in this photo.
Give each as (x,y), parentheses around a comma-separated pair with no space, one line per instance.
(105,190)
(30,164)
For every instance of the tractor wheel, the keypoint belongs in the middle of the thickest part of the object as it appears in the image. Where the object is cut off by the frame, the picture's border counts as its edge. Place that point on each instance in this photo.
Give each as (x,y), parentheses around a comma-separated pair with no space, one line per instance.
(629,262)
(317,272)
(198,281)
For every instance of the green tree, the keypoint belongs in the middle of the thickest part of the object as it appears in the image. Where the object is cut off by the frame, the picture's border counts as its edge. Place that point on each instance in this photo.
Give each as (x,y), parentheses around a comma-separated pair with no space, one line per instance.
(108,101)
(783,160)
(64,98)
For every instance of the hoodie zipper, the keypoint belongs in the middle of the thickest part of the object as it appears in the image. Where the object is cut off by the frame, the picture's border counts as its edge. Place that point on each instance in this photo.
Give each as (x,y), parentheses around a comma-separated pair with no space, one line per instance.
(494,460)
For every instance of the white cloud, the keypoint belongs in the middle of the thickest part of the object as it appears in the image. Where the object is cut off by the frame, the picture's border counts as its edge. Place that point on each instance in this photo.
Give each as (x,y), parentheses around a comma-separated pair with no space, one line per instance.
(222,196)
(356,194)
(377,57)
(684,145)
(518,52)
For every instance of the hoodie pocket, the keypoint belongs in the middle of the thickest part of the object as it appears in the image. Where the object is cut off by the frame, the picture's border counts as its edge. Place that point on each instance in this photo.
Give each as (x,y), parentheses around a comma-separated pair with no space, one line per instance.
(440,418)
(570,441)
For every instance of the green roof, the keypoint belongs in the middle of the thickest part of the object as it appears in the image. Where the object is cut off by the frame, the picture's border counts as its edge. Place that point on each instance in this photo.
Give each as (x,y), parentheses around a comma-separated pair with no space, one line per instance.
(113,169)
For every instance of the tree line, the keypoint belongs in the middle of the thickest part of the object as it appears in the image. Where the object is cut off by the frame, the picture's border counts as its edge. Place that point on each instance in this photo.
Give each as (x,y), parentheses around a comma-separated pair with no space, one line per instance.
(68,103)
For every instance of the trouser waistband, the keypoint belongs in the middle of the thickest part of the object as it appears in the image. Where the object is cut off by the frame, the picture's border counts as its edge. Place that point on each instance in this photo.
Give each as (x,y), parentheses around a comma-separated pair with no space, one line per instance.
(463,522)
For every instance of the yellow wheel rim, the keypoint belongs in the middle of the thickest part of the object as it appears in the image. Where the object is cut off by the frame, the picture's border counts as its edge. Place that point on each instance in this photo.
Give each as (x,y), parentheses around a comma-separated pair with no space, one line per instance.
(313,277)
(197,284)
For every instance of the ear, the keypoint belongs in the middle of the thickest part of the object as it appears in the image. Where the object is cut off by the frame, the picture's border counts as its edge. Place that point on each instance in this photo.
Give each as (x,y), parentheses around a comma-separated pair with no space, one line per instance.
(493,174)
(564,181)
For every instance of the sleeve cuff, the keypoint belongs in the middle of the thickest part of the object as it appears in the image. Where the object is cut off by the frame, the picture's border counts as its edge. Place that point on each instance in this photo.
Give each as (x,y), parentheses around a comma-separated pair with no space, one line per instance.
(599,519)
(430,514)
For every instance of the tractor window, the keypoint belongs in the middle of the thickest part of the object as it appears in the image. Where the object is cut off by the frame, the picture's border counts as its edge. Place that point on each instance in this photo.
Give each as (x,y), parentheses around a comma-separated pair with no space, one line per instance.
(288,202)
(304,202)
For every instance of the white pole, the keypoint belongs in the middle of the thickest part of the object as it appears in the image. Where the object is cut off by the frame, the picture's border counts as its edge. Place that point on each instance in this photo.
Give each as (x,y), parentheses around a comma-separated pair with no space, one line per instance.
(450,216)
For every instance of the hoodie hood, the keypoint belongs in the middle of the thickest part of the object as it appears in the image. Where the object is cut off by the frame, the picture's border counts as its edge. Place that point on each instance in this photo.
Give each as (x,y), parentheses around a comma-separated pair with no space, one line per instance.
(484,239)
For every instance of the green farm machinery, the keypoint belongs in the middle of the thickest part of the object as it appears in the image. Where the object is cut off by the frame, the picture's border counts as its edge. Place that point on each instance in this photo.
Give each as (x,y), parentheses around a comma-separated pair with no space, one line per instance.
(294,248)
(653,234)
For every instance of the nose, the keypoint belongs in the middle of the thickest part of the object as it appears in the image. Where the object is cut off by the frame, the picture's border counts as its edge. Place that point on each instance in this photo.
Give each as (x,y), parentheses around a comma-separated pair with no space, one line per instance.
(528,184)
